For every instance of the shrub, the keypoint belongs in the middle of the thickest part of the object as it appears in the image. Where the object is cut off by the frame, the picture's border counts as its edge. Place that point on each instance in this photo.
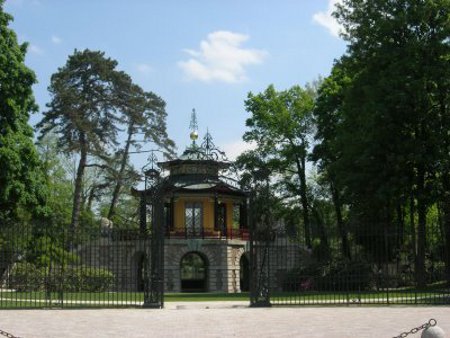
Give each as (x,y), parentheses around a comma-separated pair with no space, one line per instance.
(26,277)
(96,279)
(338,276)
(346,276)
(86,279)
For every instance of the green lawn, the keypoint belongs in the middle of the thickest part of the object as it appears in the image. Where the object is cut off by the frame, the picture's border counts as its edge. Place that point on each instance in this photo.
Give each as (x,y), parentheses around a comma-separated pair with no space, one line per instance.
(121,296)
(124,299)
(203,297)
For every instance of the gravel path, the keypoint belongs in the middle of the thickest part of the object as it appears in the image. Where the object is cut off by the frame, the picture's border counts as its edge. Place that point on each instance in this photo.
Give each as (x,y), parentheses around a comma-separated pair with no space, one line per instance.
(223,319)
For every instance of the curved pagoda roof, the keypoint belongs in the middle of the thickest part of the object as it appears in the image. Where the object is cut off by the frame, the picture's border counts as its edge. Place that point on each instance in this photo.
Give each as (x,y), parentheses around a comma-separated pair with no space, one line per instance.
(198,170)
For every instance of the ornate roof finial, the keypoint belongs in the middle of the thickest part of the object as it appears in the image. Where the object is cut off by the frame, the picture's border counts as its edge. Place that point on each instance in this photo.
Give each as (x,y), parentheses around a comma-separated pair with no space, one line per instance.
(193,126)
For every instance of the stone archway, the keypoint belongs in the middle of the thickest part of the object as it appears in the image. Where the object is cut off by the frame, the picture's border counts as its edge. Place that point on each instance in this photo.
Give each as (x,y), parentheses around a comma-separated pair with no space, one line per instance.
(194,272)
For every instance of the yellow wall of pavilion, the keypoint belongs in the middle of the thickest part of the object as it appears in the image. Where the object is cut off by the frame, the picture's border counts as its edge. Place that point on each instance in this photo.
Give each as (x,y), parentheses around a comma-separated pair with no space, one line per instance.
(208,212)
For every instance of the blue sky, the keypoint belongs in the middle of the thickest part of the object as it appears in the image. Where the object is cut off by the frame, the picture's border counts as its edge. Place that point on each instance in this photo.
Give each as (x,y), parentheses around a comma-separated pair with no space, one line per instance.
(201,54)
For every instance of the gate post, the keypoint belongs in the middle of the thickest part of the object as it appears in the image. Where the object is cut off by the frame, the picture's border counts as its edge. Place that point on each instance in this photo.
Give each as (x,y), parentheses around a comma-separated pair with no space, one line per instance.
(259,264)
(154,274)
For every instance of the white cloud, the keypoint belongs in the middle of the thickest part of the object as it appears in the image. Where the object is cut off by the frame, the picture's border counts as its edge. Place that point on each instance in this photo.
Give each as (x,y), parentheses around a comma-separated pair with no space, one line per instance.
(35,49)
(221,58)
(327,20)
(144,68)
(234,149)
(56,39)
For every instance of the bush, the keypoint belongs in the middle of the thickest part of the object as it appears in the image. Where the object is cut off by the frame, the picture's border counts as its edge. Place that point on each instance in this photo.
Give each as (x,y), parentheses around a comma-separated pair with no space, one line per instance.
(85,279)
(301,278)
(27,277)
(346,276)
(340,276)
(96,279)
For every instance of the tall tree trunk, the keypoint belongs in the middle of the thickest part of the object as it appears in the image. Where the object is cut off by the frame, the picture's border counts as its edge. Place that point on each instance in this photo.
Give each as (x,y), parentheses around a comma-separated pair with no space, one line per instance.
(400,224)
(300,162)
(324,251)
(91,197)
(340,222)
(119,182)
(76,207)
(421,227)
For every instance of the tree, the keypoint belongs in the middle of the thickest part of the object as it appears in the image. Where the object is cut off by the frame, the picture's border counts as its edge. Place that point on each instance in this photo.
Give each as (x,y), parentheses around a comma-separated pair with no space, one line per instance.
(328,116)
(83,111)
(144,116)
(281,126)
(22,188)
(391,114)
(60,187)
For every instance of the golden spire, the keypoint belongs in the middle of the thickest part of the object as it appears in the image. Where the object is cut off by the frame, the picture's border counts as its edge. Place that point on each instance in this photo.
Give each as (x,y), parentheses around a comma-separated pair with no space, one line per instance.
(193,126)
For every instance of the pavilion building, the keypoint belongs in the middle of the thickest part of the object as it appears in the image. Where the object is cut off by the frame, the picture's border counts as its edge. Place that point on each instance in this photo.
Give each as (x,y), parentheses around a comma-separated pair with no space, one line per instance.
(205,220)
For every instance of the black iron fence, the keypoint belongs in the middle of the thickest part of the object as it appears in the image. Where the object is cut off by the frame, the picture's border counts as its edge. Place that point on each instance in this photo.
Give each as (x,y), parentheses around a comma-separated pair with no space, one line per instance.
(43,268)
(380,268)
(54,268)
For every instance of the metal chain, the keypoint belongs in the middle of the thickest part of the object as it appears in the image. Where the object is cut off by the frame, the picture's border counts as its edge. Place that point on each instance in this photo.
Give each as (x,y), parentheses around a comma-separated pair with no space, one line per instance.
(430,323)
(7,334)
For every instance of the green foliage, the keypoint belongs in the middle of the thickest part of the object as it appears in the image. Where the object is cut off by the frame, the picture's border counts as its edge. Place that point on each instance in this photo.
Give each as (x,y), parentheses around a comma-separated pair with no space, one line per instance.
(144,117)
(22,190)
(84,103)
(346,276)
(28,277)
(334,276)
(45,250)
(91,104)
(83,112)
(126,215)
(381,117)
(60,186)
(88,279)
(264,211)
(281,126)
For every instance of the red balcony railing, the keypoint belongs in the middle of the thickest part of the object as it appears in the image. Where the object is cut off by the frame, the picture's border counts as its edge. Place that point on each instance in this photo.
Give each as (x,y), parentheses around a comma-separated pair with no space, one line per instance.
(242,234)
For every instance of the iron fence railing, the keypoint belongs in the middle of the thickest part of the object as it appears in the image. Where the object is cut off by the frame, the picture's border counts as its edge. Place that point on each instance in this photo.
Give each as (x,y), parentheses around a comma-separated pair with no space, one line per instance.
(379,271)
(41,268)
(44,267)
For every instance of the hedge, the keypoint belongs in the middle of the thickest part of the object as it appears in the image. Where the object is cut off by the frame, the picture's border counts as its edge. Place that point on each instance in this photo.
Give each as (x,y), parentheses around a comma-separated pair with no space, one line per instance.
(27,277)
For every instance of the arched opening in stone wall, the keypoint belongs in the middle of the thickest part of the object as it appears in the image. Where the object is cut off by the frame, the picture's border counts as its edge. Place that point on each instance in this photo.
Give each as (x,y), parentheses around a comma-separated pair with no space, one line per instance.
(140,265)
(194,272)
(244,274)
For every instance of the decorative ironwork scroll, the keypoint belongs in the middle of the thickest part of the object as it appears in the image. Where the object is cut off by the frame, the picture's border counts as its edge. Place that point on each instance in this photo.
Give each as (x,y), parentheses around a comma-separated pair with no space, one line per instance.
(206,151)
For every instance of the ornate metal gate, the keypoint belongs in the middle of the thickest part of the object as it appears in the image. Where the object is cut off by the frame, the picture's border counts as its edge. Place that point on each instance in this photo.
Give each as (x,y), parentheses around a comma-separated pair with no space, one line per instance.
(152,224)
